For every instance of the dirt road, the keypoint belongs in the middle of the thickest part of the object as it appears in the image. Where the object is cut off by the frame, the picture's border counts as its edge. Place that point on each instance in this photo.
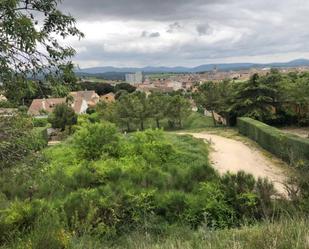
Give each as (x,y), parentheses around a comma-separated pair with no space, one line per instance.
(232,155)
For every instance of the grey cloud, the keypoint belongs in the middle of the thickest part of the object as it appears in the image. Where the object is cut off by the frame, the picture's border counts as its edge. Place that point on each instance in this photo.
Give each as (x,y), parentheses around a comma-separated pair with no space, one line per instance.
(150,35)
(203,29)
(136,9)
(153,35)
(174,27)
(265,27)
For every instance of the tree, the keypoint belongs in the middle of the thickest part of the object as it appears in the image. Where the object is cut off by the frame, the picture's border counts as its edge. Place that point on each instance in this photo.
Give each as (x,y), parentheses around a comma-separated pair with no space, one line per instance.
(140,107)
(99,88)
(62,116)
(28,43)
(107,111)
(255,99)
(124,110)
(296,94)
(178,108)
(125,86)
(157,106)
(208,97)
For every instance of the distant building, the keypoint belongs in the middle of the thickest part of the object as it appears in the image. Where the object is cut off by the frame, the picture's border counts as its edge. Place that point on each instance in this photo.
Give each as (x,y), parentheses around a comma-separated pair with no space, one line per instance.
(81,101)
(134,78)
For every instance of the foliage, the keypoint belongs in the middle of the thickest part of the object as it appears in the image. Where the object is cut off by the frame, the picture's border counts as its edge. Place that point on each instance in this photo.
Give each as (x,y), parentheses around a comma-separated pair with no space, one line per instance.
(177,109)
(98,87)
(95,140)
(274,98)
(254,99)
(136,109)
(30,48)
(291,148)
(104,185)
(157,107)
(24,25)
(6,104)
(18,139)
(62,116)
(39,122)
(126,87)
(208,97)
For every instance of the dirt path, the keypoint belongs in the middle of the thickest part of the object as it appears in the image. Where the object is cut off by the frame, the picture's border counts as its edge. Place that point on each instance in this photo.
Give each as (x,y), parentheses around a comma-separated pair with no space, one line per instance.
(232,155)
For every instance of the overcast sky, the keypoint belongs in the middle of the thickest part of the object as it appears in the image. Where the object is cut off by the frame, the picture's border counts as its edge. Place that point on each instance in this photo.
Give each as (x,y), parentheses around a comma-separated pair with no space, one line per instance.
(189,32)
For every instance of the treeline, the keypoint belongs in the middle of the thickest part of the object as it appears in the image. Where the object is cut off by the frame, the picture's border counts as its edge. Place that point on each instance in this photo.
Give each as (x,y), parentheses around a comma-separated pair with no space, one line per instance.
(137,108)
(23,92)
(276,98)
(104,88)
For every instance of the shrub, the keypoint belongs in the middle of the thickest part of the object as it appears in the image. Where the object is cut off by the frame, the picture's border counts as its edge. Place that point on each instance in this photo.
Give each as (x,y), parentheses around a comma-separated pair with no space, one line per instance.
(18,139)
(209,206)
(95,140)
(39,122)
(62,116)
(38,139)
(291,148)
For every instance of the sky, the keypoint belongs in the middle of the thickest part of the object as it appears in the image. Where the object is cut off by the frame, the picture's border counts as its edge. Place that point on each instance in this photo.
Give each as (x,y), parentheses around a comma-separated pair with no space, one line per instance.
(138,33)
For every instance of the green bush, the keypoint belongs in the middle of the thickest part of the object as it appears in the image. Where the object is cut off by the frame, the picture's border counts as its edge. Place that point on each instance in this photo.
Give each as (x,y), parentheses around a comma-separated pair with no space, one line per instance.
(39,122)
(63,116)
(19,139)
(97,139)
(291,148)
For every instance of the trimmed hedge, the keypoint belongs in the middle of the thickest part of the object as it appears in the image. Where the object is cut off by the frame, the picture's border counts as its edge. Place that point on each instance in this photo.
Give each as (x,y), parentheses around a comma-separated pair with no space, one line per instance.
(289,147)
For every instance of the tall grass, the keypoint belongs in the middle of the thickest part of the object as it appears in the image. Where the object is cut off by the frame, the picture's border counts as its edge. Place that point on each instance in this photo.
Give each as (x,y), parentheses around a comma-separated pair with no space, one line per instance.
(285,234)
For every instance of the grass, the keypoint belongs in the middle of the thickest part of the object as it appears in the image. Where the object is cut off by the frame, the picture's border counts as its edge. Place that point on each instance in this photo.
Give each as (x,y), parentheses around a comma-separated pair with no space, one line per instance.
(285,234)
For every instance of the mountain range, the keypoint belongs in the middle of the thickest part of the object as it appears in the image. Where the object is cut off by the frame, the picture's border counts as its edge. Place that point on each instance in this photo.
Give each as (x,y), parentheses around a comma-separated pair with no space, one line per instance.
(201,68)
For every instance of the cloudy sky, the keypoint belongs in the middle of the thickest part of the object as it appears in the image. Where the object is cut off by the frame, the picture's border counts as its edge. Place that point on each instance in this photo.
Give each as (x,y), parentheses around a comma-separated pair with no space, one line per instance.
(189,32)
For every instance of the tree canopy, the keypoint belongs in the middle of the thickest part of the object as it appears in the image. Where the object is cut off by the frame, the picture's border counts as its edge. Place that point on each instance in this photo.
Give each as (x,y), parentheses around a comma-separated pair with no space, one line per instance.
(31,35)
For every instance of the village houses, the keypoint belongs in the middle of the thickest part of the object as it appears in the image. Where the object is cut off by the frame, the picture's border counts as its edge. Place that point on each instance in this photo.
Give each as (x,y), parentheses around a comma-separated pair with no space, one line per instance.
(80,102)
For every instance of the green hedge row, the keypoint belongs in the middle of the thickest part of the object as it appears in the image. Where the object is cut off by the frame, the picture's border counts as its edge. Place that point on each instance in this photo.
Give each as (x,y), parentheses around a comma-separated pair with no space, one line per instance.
(289,147)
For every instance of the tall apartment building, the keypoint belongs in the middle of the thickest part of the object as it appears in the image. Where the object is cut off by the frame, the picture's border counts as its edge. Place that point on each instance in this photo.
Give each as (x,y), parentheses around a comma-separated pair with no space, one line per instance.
(134,78)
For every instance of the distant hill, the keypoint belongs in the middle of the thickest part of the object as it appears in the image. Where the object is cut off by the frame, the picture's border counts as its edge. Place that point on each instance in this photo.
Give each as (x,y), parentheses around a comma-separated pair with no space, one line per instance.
(201,68)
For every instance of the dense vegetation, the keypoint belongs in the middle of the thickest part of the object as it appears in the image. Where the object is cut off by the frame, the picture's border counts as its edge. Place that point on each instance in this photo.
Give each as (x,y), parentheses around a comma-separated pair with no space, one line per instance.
(19,138)
(137,110)
(103,184)
(104,88)
(276,98)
